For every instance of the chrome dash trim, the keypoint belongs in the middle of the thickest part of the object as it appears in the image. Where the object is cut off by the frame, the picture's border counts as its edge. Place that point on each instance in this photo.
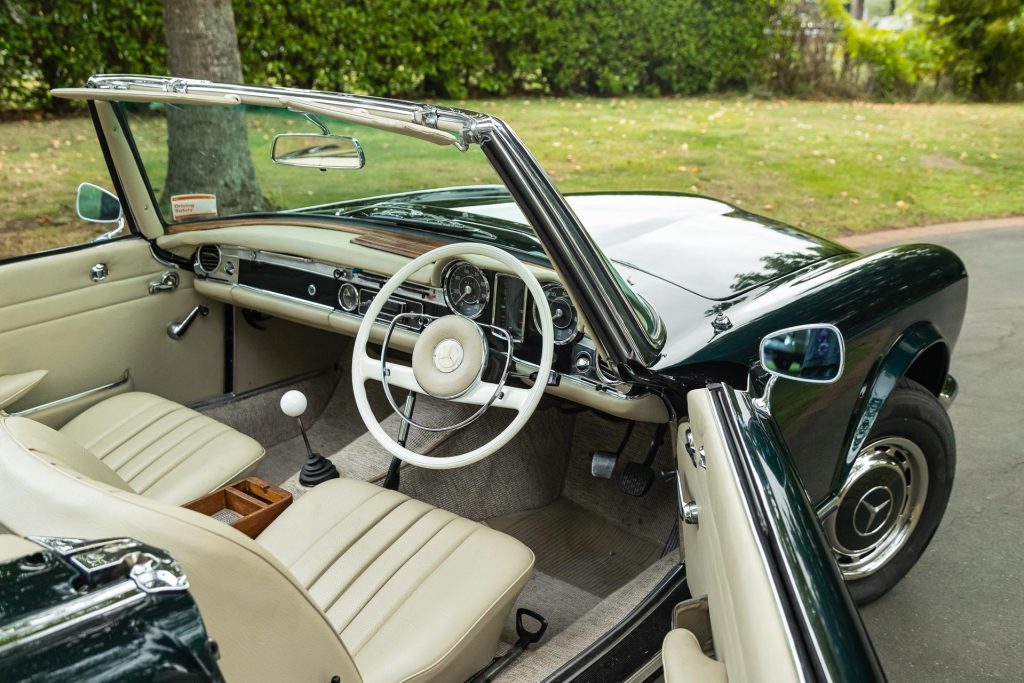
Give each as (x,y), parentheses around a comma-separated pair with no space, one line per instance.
(74,397)
(285,297)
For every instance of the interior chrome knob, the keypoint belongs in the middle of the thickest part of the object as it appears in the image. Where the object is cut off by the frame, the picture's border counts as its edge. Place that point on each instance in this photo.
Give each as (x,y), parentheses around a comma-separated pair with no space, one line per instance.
(293,403)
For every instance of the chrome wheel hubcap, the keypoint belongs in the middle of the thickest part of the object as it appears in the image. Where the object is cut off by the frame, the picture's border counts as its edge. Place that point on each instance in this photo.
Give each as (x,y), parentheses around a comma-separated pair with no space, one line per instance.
(878,507)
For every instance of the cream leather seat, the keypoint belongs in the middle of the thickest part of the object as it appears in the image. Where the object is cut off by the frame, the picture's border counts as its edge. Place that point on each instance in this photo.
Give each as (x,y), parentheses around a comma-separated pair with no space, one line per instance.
(351,581)
(162,449)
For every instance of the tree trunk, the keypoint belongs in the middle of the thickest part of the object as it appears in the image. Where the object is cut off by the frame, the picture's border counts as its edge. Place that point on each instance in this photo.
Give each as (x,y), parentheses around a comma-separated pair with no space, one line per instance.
(208,148)
(856,9)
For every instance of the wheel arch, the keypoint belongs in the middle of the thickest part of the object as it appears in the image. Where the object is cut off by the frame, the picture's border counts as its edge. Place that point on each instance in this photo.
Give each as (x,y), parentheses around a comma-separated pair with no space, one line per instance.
(930,367)
(920,353)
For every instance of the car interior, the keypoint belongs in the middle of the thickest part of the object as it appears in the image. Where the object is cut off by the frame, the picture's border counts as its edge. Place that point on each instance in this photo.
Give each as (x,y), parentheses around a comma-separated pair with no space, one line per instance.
(132,387)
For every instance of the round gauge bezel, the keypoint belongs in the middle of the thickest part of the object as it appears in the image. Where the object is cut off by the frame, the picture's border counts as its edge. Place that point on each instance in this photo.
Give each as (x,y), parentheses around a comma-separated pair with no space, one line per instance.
(576,314)
(485,291)
(341,303)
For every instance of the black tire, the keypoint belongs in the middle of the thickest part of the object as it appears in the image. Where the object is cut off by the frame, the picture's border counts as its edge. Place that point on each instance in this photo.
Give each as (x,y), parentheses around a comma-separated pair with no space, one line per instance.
(911,414)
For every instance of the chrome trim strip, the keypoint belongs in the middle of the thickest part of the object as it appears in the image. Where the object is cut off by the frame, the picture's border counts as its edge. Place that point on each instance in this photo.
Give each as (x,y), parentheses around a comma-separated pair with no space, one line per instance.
(645,672)
(290,299)
(950,390)
(73,397)
(94,605)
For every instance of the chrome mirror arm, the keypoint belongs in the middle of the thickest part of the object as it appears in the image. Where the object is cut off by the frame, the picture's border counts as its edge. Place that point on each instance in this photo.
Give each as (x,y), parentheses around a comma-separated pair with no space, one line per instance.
(762,404)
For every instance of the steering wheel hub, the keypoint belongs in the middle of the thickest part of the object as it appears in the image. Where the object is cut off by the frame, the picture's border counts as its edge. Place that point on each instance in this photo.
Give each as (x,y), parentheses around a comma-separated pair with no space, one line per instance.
(449,357)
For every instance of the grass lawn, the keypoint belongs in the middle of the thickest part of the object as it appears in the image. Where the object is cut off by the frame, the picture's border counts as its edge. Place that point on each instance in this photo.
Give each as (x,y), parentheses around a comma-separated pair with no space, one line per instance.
(833,168)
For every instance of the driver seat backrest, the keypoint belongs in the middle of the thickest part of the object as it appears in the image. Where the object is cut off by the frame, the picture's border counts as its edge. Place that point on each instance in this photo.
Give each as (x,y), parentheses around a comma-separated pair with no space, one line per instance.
(266,625)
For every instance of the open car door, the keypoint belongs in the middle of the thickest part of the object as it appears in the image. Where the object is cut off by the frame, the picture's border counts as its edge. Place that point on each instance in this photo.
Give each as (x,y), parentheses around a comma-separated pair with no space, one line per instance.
(770,604)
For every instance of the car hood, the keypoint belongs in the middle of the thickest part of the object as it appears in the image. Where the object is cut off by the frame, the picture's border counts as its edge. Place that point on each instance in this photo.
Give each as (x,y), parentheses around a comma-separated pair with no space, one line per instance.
(705,246)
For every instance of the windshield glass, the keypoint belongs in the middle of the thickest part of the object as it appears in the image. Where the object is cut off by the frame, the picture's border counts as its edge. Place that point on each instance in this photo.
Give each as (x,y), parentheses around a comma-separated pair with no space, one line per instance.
(210,162)
(207,163)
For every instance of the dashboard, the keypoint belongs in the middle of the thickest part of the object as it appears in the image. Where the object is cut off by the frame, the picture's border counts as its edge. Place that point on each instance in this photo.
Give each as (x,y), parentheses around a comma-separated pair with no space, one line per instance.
(336,296)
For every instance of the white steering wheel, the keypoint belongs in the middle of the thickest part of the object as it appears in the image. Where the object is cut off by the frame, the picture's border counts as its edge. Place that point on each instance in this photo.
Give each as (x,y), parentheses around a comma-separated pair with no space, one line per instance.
(448,361)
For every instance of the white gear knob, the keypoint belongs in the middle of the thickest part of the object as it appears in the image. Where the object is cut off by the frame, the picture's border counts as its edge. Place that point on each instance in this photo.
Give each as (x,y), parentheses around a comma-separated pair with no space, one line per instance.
(293,403)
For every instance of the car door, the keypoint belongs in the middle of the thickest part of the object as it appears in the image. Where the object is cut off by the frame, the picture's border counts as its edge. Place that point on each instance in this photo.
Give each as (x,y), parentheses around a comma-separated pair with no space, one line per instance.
(756,560)
(95,319)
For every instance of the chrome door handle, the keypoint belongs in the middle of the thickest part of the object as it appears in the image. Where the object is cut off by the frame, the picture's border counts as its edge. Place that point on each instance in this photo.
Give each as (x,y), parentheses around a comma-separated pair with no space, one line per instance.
(99,272)
(168,282)
(178,330)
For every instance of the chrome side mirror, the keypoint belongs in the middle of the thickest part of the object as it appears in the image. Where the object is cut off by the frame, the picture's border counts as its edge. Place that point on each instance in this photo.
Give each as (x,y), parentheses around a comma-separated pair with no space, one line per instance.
(96,205)
(814,354)
(314,150)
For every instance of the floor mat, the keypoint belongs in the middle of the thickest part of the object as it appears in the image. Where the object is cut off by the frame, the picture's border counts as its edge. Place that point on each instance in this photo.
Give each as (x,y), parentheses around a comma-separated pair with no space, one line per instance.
(576,546)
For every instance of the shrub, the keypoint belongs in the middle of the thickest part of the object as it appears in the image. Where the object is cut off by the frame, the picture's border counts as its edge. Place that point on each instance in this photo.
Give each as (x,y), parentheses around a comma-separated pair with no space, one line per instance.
(411,48)
(982,43)
(51,43)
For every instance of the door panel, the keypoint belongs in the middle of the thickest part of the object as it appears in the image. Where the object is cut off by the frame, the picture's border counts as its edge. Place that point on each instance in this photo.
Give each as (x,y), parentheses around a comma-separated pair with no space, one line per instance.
(778,607)
(88,334)
(724,560)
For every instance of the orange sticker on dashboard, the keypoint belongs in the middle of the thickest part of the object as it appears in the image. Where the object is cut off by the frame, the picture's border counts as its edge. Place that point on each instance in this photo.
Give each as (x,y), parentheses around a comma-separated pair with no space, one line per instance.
(184,206)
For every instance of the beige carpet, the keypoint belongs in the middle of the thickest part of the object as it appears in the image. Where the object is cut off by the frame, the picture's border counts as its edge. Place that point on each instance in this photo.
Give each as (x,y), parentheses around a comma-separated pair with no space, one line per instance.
(578,547)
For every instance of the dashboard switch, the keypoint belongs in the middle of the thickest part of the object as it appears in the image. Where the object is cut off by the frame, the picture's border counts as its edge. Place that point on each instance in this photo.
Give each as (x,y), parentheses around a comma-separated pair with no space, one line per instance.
(582,362)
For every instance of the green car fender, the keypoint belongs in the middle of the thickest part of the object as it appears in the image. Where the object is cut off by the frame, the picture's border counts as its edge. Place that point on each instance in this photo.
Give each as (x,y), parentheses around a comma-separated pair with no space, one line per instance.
(893,366)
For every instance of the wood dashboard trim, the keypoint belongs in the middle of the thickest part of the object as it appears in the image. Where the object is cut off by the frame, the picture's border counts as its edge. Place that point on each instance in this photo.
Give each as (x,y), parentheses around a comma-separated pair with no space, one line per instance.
(403,245)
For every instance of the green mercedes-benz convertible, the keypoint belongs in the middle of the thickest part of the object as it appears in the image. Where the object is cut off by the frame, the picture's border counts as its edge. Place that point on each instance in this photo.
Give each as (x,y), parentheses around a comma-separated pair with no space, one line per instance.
(348,391)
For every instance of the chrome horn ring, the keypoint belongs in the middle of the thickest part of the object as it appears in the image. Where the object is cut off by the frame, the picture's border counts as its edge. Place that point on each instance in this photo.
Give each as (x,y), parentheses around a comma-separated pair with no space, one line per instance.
(483,408)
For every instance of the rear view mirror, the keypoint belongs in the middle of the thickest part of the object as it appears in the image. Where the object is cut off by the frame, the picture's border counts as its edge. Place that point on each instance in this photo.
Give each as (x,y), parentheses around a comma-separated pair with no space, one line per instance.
(96,205)
(317,151)
(806,353)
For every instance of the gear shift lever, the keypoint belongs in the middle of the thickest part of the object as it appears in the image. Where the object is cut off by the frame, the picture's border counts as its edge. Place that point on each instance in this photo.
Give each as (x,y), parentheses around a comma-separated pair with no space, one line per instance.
(317,469)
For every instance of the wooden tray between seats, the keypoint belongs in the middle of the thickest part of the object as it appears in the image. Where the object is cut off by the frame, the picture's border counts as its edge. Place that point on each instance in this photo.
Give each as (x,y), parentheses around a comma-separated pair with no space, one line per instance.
(249,505)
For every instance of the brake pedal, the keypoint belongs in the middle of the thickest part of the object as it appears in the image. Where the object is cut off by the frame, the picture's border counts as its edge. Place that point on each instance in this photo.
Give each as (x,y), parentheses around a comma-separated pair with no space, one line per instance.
(637,477)
(602,463)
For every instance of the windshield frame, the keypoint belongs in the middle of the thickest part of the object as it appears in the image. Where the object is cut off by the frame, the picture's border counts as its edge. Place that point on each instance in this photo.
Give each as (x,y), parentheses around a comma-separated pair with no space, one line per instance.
(626,327)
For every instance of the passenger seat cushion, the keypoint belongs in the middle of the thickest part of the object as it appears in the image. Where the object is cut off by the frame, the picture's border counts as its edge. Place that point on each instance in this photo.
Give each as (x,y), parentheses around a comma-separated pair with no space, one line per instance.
(414,592)
(162,449)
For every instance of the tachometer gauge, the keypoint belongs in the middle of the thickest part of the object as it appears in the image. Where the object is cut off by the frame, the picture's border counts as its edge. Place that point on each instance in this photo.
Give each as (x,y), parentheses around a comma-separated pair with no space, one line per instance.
(466,290)
(563,314)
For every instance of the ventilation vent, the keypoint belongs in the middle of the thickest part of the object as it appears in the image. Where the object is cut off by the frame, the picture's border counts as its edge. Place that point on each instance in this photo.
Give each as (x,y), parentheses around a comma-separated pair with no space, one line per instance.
(208,258)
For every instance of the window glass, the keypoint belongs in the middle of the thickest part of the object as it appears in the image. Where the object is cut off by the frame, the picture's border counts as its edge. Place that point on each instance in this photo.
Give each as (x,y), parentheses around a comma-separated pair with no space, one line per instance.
(42,164)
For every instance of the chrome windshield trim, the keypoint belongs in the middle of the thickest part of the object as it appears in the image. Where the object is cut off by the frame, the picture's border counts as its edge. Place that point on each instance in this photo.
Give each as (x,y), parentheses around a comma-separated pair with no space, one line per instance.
(428,117)
(570,240)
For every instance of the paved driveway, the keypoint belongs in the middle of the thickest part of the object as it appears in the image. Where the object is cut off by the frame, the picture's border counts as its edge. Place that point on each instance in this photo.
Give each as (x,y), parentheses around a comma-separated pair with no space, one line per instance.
(959,614)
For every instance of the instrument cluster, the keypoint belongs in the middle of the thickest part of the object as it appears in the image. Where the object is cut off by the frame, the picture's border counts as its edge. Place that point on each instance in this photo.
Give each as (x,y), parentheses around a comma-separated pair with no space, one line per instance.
(468,291)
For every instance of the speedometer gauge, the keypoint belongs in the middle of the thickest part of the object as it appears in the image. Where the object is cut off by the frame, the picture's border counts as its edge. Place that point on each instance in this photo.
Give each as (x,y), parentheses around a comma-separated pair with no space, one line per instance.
(466,290)
(563,314)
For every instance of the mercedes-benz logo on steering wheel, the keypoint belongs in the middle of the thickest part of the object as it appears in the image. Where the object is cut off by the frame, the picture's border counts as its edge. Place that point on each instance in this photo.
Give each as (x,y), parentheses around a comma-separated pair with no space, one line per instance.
(873,511)
(448,355)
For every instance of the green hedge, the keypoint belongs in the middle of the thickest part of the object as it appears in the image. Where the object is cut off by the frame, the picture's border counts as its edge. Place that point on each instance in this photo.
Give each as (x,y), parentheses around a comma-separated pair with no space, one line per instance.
(411,48)
(57,43)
